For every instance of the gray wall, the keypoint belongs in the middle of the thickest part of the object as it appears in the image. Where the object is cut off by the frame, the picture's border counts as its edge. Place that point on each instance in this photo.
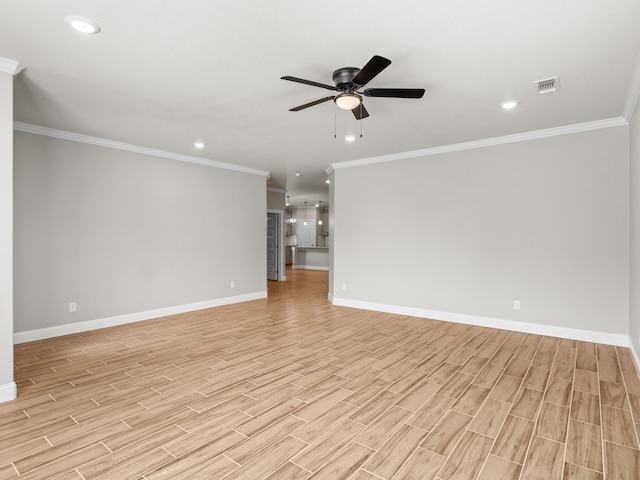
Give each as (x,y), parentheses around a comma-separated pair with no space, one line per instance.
(275,199)
(120,232)
(634,288)
(541,221)
(7,390)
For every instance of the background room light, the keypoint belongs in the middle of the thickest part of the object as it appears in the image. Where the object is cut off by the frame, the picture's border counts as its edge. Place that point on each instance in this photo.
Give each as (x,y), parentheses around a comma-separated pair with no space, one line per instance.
(350,138)
(509,105)
(82,24)
(198,144)
(348,101)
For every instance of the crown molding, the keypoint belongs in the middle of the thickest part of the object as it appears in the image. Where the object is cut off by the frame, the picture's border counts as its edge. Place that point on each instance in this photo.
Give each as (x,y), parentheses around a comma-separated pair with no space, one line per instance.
(127,147)
(10,66)
(276,190)
(488,142)
(634,92)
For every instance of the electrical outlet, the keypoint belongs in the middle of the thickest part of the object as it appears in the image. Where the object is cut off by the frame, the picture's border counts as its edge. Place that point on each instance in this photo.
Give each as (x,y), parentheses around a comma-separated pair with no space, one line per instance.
(516,304)
(232,284)
(72,307)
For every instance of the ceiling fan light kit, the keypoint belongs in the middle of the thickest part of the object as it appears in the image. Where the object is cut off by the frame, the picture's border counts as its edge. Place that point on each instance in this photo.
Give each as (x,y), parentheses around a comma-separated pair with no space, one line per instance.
(348,101)
(349,80)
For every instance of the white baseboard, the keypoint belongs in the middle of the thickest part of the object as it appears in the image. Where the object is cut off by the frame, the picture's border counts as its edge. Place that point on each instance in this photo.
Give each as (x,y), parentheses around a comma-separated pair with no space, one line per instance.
(70,328)
(524,327)
(8,392)
(309,267)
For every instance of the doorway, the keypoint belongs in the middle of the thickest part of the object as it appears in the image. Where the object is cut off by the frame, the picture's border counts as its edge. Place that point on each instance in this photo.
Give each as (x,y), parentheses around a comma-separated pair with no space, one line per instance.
(275,265)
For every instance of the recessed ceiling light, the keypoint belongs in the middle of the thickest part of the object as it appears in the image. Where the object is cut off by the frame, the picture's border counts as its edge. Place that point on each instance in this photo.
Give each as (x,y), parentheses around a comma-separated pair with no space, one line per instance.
(327,181)
(509,105)
(82,24)
(298,174)
(198,144)
(350,138)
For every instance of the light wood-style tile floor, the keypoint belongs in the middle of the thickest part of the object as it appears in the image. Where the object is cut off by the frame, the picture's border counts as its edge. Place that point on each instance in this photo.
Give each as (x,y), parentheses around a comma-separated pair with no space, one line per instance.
(291,387)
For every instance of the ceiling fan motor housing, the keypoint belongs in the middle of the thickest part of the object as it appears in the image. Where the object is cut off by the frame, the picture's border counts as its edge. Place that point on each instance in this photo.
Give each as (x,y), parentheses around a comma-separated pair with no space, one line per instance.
(343,78)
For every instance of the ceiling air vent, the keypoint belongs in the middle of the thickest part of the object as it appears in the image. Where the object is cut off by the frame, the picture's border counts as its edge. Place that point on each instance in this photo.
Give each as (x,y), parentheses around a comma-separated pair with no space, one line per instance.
(548,85)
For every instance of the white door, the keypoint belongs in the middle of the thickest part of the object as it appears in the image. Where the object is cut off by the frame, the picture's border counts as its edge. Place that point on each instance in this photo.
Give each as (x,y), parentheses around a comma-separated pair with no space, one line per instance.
(272,246)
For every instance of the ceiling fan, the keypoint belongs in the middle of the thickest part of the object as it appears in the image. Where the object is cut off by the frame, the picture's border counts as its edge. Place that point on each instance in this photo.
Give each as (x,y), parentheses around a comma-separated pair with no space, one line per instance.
(349,80)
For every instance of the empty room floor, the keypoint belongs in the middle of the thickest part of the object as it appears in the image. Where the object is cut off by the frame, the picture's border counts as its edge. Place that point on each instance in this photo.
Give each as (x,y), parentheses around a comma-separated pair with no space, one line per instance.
(291,387)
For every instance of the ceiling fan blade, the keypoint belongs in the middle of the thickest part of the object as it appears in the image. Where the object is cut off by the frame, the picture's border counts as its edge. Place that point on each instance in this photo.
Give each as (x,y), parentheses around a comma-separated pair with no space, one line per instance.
(394,92)
(360,112)
(311,104)
(309,82)
(371,69)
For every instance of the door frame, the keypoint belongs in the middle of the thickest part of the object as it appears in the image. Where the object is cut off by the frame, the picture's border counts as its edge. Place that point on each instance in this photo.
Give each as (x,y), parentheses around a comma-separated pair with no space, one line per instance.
(280,241)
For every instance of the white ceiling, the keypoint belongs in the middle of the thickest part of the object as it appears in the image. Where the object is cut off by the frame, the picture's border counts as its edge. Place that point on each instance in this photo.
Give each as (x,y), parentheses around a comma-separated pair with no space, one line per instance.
(162,74)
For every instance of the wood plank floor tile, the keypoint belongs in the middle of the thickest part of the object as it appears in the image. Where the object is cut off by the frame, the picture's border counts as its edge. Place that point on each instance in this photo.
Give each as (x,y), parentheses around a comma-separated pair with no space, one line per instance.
(536,378)
(444,437)
(471,400)
(621,462)
(517,368)
(617,427)
(634,401)
(318,406)
(238,391)
(574,472)
(563,370)
(558,391)
(7,472)
(489,419)
(431,412)
(246,449)
(313,456)
(489,375)
(391,456)
(584,445)
(498,468)
(324,422)
(386,424)
(421,465)
(201,464)
(552,422)
(367,392)
(65,463)
(513,440)
(374,408)
(419,395)
(613,395)
(467,459)
(345,464)
(585,407)
(269,417)
(269,461)
(586,382)
(288,471)
(24,450)
(506,388)
(544,460)
(527,403)
(587,362)
(610,372)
